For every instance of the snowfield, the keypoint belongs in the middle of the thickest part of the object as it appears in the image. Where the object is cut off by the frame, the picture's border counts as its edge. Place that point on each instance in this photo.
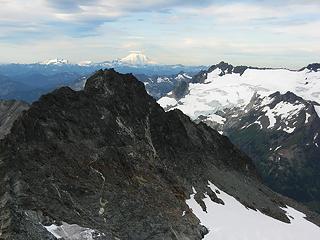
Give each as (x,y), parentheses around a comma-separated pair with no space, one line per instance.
(72,232)
(229,90)
(233,221)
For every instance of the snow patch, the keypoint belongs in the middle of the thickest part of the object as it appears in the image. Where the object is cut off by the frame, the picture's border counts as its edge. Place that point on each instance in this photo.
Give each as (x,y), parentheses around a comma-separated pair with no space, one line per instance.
(213,75)
(257,122)
(270,115)
(307,118)
(163,79)
(72,232)
(277,148)
(182,76)
(56,61)
(233,221)
(317,108)
(285,111)
(216,118)
(166,102)
(289,129)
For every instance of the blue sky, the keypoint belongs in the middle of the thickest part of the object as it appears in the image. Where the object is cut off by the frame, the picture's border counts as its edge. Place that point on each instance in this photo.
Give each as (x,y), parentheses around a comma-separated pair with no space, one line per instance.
(253,32)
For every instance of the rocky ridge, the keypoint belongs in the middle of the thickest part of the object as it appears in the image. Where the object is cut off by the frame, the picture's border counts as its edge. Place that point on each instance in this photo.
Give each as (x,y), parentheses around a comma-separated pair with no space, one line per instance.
(111,162)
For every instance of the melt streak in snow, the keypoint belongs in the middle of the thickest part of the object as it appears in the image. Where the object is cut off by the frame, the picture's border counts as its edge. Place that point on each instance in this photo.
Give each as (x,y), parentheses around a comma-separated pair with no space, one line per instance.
(233,221)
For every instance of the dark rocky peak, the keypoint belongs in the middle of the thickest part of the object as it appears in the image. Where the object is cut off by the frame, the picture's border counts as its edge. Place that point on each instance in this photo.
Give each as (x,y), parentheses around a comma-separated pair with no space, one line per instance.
(199,77)
(227,68)
(110,159)
(223,66)
(287,97)
(109,83)
(180,90)
(314,67)
(240,69)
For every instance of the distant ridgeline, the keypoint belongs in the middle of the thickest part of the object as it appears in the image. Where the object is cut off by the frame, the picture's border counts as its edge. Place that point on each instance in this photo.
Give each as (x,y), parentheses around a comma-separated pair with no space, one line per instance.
(28,82)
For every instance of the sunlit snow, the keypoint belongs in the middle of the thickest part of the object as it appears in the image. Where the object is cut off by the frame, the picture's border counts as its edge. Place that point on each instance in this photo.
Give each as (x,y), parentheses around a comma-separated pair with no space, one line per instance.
(229,90)
(71,232)
(317,108)
(233,221)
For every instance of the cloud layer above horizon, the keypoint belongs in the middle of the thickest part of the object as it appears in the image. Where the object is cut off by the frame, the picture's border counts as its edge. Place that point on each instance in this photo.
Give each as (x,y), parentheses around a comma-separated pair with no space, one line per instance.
(262,33)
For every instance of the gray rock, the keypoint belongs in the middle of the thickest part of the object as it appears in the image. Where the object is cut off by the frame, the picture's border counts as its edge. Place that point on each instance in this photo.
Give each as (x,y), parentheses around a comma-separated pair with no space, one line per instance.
(10,110)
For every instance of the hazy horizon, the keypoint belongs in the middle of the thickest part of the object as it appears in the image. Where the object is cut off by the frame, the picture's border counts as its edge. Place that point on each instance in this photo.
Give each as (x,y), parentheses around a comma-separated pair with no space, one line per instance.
(246,32)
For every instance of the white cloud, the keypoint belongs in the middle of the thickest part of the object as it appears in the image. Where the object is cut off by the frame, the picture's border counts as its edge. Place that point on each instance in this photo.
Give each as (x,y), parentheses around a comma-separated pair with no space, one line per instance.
(303,31)
(172,30)
(247,12)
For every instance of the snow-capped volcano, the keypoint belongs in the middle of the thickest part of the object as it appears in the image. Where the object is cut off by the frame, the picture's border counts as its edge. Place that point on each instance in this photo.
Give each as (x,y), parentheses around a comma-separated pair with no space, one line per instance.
(136,58)
(56,61)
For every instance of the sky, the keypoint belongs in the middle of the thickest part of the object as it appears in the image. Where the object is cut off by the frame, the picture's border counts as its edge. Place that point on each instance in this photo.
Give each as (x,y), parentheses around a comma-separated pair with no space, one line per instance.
(269,33)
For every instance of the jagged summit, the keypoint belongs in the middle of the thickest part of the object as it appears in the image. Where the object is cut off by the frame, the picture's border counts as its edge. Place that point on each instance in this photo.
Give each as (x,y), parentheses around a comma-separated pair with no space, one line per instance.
(109,162)
(314,67)
(112,82)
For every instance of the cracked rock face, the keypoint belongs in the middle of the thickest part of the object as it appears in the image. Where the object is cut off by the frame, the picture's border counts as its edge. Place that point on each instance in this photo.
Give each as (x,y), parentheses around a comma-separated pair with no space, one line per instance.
(110,162)
(10,110)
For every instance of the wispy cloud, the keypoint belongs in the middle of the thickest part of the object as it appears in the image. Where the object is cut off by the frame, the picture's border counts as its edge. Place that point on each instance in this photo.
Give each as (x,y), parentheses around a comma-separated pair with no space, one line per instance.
(167,29)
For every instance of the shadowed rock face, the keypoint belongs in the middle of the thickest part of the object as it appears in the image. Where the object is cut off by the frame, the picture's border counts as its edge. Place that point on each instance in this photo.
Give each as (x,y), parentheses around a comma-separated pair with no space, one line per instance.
(9,112)
(286,155)
(110,159)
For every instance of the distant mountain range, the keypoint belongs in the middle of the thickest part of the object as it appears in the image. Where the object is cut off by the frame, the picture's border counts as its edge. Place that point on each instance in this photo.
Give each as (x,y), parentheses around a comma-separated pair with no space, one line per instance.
(28,82)
(136,62)
(271,114)
(135,58)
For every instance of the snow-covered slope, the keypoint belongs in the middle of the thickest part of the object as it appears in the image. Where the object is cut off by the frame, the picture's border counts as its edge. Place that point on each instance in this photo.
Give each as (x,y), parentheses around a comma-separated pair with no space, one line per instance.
(220,91)
(233,221)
